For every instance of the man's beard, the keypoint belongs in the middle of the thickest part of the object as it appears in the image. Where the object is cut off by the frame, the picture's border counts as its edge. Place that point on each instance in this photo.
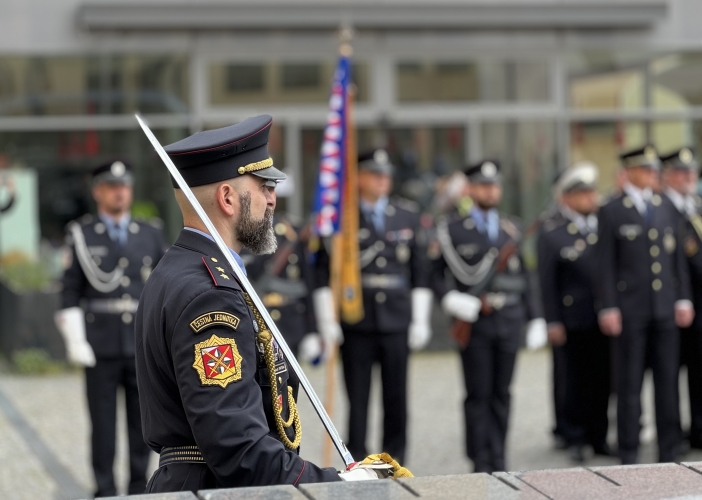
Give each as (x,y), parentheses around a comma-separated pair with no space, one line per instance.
(256,235)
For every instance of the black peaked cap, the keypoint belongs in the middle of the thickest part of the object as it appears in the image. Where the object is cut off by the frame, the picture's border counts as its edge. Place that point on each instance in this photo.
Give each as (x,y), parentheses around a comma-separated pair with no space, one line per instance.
(225,153)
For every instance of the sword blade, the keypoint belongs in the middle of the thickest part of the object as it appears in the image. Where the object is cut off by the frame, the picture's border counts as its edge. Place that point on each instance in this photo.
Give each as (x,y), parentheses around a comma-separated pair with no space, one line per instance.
(304,381)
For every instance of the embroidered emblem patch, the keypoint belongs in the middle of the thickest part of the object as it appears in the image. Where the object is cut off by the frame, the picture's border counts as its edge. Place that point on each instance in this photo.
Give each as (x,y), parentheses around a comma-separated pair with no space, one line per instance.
(214,318)
(217,361)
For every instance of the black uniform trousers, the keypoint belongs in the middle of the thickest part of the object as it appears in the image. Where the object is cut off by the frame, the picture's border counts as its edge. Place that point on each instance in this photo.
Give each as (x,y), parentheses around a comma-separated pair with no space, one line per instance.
(488,365)
(558,375)
(102,382)
(691,356)
(588,387)
(658,342)
(359,352)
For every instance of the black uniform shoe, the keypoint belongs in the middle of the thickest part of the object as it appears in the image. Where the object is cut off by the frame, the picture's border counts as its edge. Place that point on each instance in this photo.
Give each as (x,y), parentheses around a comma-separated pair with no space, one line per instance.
(602,450)
(576,454)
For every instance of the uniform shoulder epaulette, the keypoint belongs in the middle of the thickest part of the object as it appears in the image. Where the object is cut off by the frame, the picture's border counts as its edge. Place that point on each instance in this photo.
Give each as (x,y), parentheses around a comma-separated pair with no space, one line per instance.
(405,204)
(512,226)
(85,220)
(555,221)
(219,273)
(154,222)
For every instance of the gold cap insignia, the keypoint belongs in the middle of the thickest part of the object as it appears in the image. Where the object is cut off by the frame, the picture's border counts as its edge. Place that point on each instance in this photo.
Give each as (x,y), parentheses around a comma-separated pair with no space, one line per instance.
(217,361)
(259,165)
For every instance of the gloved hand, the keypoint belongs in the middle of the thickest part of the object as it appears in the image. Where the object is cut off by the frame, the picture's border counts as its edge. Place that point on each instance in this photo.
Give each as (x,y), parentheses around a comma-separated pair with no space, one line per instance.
(536,333)
(310,348)
(420,326)
(380,466)
(463,306)
(327,324)
(71,323)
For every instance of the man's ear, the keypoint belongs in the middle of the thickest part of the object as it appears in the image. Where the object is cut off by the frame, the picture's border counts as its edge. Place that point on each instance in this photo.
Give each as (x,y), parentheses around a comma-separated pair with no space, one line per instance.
(227,199)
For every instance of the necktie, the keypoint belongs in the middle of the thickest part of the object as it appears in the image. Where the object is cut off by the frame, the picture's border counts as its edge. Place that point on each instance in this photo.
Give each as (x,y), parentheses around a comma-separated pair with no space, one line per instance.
(649,213)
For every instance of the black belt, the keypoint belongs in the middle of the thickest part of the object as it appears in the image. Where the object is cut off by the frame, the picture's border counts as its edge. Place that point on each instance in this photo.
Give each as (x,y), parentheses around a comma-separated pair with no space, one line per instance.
(180,455)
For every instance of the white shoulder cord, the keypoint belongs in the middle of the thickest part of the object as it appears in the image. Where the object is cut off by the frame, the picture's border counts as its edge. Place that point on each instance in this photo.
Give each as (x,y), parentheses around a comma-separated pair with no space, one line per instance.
(99,279)
(465,273)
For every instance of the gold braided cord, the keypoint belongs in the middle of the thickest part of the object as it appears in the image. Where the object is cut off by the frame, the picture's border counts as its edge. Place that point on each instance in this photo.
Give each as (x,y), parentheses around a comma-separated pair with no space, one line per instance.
(696,221)
(397,472)
(266,338)
(259,165)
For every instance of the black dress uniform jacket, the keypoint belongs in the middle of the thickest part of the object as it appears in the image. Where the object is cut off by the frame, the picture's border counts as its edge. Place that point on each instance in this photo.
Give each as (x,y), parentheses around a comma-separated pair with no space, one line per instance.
(288,294)
(109,326)
(392,263)
(203,381)
(566,271)
(641,266)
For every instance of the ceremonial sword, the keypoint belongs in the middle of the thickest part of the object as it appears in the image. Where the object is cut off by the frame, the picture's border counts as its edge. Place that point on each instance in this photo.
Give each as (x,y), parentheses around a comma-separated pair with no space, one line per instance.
(304,382)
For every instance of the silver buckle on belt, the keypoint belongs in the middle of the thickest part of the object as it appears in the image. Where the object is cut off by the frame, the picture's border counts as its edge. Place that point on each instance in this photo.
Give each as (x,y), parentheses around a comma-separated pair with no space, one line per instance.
(496,300)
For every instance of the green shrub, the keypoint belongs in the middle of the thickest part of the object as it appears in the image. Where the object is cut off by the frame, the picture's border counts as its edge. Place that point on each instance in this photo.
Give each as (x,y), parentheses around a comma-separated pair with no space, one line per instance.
(35,361)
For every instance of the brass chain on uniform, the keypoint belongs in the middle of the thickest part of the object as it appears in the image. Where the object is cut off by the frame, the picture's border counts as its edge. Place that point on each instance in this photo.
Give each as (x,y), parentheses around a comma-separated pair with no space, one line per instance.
(266,339)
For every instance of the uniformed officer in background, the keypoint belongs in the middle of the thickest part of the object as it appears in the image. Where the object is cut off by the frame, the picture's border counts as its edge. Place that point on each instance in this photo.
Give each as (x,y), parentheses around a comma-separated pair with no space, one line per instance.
(680,175)
(112,256)
(566,254)
(396,300)
(643,296)
(216,391)
(284,281)
(480,278)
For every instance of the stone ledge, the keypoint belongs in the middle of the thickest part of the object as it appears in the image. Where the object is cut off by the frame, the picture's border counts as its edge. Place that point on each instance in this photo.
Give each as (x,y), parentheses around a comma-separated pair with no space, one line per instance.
(638,482)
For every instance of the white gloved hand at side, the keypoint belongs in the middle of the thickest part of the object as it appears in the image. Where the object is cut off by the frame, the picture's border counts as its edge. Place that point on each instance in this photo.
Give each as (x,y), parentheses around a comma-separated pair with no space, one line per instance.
(71,323)
(463,306)
(536,334)
(310,348)
(325,312)
(420,326)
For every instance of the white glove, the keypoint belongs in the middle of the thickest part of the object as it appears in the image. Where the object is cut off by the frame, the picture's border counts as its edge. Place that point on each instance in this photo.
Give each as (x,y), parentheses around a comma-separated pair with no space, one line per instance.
(536,334)
(420,326)
(463,306)
(71,323)
(368,472)
(325,313)
(310,348)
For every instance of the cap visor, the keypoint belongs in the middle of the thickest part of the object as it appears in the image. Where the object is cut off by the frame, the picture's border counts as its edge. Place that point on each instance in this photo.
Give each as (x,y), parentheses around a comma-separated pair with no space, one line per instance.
(270,173)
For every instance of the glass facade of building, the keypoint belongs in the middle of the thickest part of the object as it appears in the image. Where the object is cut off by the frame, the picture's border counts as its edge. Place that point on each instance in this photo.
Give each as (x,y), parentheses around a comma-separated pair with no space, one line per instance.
(436,101)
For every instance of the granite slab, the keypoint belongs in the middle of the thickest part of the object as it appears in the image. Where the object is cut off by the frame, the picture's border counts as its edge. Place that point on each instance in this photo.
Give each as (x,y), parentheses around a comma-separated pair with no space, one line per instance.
(477,486)
(178,495)
(654,481)
(386,489)
(282,492)
(525,490)
(572,484)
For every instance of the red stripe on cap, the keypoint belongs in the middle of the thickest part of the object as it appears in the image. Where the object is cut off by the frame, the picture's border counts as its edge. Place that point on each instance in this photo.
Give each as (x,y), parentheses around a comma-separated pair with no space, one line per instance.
(223,145)
(210,271)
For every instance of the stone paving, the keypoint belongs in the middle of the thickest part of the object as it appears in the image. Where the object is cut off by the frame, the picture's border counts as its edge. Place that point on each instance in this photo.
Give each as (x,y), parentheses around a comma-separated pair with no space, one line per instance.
(55,409)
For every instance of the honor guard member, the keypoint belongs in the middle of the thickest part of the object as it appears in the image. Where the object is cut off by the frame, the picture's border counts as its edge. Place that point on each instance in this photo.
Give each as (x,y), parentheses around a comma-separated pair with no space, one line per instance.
(216,390)
(470,247)
(642,297)
(284,281)
(112,256)
(566,254)
(396,301)
(680,176)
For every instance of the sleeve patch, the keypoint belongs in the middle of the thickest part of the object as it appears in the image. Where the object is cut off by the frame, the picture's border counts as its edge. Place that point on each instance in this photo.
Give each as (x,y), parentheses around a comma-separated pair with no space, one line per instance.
(219,318)
(217,361)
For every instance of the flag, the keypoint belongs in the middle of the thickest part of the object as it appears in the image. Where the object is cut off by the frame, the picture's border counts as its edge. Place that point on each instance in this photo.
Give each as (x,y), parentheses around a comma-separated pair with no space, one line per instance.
(336,196)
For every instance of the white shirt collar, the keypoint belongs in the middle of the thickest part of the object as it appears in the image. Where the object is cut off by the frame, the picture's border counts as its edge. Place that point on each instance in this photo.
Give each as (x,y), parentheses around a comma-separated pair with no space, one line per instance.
(586,223)
(638,196)
(684,204)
